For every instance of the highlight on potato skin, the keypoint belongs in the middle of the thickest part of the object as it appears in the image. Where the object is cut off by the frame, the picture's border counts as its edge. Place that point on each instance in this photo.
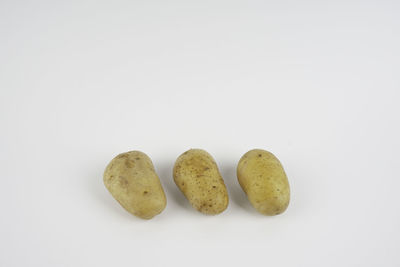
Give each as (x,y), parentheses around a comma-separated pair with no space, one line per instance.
(263,179)
(131,179)
(196,174)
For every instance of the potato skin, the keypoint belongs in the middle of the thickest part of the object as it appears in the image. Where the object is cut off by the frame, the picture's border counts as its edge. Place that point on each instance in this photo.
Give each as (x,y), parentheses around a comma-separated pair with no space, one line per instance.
(196,174)
(132,181)
(262,178)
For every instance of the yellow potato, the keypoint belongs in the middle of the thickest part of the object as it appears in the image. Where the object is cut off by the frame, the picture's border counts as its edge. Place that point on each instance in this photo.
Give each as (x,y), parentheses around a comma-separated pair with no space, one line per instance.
(262,178)
(132,181)
(197,176)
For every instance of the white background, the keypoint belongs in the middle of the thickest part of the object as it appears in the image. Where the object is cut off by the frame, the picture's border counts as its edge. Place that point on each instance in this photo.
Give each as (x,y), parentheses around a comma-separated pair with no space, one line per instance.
(315,82)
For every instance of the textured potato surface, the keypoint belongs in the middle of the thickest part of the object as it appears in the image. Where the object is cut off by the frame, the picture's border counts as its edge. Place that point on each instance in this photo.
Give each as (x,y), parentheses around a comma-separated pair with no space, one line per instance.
(132,181)
(197,176)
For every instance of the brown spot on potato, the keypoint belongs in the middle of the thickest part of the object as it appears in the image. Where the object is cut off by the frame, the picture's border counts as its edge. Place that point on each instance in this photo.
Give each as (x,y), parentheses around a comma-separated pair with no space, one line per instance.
(129,163)
(123,181)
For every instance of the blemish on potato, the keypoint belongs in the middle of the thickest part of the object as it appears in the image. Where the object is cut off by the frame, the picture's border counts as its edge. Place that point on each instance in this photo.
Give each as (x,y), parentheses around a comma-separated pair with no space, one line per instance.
(122,180)
(129,163)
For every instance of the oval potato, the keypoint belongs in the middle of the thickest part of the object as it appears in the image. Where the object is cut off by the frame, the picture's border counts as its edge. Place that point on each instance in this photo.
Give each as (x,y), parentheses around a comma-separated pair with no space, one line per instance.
(197,176)
(262,178)
(132,181)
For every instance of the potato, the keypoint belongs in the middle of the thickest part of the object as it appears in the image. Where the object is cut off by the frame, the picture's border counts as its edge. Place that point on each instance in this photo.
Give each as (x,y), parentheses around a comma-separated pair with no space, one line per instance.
(132,181)
(262,178)
(197,176)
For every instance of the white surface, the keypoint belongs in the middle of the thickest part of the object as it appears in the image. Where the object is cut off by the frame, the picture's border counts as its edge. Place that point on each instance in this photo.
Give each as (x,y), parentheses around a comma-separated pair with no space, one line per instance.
(315,82)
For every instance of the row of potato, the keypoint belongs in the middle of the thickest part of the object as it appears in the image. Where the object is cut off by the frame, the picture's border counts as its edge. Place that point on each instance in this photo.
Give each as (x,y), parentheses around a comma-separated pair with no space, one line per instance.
(132,181)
